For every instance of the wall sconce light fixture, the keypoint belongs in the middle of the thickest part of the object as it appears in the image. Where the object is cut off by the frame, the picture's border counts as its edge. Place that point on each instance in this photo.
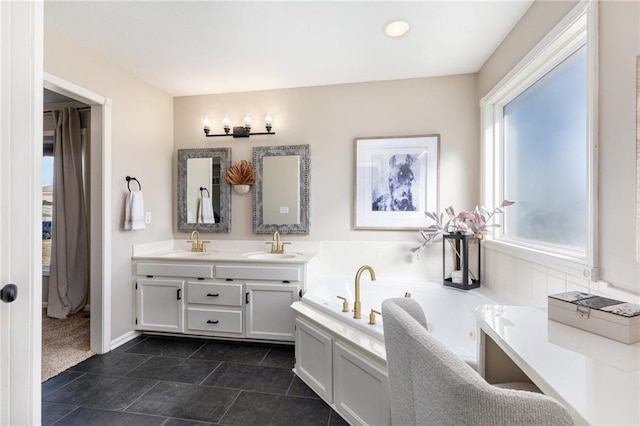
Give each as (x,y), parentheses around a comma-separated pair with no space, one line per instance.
(238,131)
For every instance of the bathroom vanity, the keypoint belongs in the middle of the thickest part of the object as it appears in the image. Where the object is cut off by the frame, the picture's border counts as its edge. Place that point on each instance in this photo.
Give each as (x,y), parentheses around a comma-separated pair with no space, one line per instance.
(231,293)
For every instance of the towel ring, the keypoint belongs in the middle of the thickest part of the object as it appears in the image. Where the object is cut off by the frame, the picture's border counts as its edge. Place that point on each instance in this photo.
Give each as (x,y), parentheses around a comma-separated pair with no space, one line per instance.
(129,179)
(202,188)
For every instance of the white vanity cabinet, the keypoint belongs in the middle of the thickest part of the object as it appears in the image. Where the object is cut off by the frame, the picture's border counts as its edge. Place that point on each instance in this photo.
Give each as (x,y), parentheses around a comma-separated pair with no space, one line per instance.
(250,300)
(340,368)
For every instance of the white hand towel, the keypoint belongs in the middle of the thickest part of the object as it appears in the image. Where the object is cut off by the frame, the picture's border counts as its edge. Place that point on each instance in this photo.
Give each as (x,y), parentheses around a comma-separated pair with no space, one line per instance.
(134,211)
(205,210)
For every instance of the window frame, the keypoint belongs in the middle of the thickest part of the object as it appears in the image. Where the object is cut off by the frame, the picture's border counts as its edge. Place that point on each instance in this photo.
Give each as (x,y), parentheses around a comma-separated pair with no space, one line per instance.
(578,28)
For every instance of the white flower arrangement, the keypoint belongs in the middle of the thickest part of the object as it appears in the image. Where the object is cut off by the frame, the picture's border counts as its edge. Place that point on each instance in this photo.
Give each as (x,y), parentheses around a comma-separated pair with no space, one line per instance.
(475,222)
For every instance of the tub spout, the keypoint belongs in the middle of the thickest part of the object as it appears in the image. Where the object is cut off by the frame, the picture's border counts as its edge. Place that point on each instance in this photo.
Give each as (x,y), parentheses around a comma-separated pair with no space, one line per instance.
(356,305)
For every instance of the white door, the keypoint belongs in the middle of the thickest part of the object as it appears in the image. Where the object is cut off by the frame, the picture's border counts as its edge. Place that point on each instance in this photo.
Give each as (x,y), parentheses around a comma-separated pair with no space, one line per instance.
(160,304)
(268,311)
(21,49)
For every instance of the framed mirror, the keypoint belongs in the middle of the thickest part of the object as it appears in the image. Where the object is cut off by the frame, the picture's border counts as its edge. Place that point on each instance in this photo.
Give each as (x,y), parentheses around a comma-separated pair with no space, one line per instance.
(204,198)
(281,191)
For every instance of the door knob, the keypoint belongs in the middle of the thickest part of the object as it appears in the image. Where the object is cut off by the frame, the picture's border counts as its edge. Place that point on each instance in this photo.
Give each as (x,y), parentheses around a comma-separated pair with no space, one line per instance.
(8,293)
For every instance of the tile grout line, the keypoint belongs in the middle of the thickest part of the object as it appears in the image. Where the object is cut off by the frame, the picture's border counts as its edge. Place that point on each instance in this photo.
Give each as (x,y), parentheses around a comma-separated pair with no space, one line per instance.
(209,375)
(124,410)
(229,408)
(265,356)
(290,385)
(65,416)
(82,373)
(198,350)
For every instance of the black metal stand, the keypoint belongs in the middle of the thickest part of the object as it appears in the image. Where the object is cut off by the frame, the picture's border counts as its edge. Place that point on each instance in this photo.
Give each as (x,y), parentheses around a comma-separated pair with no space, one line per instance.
(461,243)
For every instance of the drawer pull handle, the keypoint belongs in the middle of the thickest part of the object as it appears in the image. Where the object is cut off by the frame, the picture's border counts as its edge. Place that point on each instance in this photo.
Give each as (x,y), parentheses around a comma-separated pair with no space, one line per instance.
(213,295)
(212,322)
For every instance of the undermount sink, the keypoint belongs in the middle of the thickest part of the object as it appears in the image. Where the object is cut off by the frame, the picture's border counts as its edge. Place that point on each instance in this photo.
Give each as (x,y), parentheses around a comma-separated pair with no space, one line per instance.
(265,255)
(187,253)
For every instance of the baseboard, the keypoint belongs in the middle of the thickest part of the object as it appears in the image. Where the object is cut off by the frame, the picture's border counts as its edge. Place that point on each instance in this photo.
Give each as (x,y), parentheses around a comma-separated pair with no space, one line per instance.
(121,340)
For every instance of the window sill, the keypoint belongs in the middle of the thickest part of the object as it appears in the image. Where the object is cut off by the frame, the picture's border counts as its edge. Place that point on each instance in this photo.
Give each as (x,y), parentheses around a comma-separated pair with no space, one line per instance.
(570,265)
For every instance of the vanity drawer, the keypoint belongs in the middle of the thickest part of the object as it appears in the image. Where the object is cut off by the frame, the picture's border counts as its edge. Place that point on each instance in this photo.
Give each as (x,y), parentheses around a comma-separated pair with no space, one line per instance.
(175,270)
(251,272)
(214,320)
(214,294)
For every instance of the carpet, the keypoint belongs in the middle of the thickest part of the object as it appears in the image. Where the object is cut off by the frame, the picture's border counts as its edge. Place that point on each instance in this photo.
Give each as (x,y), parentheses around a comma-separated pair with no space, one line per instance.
(65,343)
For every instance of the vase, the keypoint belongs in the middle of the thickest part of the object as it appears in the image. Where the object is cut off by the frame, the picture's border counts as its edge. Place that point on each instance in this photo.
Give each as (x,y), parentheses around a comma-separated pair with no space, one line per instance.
(241,189)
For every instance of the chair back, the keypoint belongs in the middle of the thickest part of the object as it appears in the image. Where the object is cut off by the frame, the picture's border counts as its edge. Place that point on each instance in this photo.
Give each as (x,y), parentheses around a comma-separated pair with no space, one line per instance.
(430,385)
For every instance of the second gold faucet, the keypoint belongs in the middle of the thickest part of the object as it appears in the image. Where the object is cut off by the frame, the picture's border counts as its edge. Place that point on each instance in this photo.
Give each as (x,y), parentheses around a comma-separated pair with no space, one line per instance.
(356,305)
(276,245)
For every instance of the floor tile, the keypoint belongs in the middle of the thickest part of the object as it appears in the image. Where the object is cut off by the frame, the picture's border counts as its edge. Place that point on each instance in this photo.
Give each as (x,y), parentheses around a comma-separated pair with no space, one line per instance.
(175,369)
(131,343)
(251,377)
(336,420)
(178,347)
(51,412)
(59,381)
(280,356)
(182,401)
(110,364)
(234,352)
(180,422)
(300,388)
(112,393)
(90,416)
(262,409)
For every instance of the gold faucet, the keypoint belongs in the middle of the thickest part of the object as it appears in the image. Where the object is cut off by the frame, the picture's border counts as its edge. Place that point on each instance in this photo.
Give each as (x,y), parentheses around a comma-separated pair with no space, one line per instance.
(277,246)
(197,245)
(356,304)
(372,316)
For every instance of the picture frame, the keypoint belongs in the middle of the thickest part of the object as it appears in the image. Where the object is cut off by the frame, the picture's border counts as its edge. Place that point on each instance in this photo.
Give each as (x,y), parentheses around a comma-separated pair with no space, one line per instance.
(396,180)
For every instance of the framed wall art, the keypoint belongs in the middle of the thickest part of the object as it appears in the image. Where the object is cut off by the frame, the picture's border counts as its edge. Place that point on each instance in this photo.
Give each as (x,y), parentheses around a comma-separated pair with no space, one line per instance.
(396,181)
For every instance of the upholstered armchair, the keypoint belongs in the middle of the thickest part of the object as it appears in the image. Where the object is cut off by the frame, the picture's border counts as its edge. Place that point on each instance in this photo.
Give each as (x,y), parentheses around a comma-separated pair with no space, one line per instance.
(430,385)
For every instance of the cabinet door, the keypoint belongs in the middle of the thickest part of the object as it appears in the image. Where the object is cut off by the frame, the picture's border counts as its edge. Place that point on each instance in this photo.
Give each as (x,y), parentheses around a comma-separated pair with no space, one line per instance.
(160,305)
(360,388)
(268,310)
(314,354)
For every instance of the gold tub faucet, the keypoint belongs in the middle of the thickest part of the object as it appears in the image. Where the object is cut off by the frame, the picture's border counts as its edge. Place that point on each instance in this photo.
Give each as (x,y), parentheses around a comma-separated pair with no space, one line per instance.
(356,305)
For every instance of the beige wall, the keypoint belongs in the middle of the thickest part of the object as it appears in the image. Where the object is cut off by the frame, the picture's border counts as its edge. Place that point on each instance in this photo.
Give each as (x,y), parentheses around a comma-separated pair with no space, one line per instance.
(142,146)
(328,118)
(619,44)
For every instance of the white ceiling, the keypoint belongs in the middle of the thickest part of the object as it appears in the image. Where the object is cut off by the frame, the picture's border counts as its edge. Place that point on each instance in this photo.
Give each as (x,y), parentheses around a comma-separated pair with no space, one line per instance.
(190,48)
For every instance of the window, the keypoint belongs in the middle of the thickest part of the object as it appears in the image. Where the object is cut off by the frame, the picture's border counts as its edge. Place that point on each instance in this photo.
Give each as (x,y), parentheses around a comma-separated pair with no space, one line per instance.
(47,206)
(538,149)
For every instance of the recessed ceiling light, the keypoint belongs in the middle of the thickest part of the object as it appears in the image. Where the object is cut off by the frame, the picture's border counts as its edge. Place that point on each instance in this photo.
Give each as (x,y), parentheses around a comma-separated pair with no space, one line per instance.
(396,28)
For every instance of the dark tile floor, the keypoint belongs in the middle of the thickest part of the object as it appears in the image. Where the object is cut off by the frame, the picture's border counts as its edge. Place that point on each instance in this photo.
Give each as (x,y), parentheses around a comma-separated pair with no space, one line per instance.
(173,381)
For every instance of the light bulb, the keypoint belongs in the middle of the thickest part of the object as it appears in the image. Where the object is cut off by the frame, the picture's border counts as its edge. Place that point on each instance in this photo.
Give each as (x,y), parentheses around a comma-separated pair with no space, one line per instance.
(268,121)
(226,123)
(206,124)
(247,122)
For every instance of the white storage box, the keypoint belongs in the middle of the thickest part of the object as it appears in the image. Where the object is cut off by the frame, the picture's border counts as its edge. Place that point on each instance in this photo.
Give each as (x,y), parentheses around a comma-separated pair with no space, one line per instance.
(611,318)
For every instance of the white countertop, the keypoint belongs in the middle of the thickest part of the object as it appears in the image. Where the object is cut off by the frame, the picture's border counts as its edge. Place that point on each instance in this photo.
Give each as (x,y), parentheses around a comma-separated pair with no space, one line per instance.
(596,378)
(223,251)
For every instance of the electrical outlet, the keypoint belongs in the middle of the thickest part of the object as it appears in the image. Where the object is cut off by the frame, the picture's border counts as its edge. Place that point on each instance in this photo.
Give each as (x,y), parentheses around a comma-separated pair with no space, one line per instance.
(147,217)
